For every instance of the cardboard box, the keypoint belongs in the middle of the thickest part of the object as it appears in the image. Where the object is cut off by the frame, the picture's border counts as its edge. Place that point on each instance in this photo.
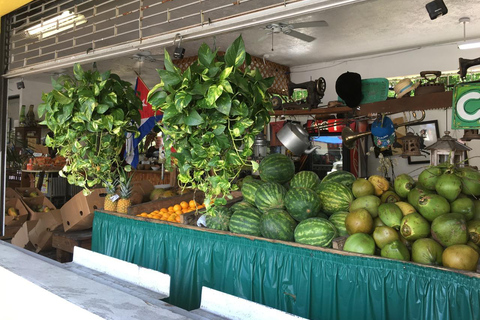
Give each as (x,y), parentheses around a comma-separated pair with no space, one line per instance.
(21,238)
(41,235)
(21,210)
(25,192)
(11,194)
(77,213)
(32,205)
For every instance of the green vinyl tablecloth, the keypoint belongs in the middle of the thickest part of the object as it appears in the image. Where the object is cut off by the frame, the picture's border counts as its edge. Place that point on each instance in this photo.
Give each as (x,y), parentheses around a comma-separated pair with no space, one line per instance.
(306,282)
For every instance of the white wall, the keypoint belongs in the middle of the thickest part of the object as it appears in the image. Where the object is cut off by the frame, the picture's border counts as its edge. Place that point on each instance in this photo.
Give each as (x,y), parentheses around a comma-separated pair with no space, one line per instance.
(405,63)
(32,94)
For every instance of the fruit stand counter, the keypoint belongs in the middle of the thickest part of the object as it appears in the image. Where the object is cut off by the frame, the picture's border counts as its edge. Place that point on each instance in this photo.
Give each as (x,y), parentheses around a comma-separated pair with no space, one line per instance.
(311,282)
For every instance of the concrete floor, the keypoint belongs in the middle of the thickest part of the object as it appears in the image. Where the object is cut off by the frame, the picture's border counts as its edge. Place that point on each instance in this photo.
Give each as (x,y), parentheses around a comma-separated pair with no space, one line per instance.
(37,287)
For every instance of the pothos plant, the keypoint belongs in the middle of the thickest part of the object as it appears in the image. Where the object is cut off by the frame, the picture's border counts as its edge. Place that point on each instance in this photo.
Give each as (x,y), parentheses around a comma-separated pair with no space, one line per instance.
(211,114)
(89,115)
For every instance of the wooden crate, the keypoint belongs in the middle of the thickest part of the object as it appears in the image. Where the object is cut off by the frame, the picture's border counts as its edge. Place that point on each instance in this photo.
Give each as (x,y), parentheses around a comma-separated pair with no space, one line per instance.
(150,206)
(65,241)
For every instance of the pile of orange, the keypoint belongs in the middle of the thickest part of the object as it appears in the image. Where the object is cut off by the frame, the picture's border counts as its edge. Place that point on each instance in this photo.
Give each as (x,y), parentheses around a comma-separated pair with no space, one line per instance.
(174,212)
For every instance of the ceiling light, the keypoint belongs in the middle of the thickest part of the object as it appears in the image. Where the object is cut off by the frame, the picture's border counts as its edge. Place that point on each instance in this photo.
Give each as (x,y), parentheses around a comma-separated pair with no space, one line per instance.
(464,45)
(65,21)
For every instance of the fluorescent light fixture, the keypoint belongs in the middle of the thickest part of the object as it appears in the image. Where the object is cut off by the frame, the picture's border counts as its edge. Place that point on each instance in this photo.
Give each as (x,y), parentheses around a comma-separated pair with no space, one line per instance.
(468,45)
(65,21)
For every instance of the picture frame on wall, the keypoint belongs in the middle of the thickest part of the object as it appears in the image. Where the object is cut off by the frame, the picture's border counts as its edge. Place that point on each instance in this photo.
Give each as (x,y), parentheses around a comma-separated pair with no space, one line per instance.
(428,130)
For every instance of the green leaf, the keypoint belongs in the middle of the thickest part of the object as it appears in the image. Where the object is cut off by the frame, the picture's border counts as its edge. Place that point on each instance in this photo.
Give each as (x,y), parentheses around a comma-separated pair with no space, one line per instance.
(194,119)
(225,73)
(78,72)
(205,55)
(167,61)
(182,100)
(41,109)
(219,129)
(60,97)
(102,108)
(235,54)
(224,103)
(226,86)
(255,165)
(169,78)
(118,114)
(214,92)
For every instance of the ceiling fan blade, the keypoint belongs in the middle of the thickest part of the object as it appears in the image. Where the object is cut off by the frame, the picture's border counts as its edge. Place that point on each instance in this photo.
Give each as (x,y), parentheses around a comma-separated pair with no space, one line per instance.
(301,36)
(310,24)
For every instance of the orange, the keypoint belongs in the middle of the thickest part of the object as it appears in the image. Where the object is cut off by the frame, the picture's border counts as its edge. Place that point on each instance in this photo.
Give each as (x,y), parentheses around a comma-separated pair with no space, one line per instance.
(192,204)
(163,210)
(177,219)
(184,204)
(171,209)
(143,214)
(179,212)
(177,207)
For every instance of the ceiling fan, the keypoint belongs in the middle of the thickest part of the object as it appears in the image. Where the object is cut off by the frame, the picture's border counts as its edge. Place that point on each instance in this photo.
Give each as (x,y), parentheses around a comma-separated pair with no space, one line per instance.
(290,29)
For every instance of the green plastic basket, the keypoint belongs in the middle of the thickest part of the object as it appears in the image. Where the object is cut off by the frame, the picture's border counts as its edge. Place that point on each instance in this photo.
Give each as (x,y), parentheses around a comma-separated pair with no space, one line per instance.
(374,90)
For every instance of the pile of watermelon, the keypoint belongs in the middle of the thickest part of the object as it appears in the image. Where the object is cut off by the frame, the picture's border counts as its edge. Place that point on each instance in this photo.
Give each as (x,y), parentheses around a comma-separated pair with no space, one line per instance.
(434,219)
(289,206)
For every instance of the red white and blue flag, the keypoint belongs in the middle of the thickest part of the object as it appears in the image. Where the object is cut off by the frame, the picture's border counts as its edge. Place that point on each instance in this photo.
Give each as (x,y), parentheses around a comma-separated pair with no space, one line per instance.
(149,119)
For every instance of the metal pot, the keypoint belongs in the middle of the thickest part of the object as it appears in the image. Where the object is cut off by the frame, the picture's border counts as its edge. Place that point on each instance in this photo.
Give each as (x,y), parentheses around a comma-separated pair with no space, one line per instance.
(295,138)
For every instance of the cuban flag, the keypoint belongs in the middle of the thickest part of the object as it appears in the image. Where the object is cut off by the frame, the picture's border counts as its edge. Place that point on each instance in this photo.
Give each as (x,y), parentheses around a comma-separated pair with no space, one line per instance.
(149,119)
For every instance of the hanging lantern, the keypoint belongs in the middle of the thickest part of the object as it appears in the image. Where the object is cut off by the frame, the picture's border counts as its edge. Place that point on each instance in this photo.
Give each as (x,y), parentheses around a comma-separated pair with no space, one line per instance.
(411,145)
(470,135)
(446,146)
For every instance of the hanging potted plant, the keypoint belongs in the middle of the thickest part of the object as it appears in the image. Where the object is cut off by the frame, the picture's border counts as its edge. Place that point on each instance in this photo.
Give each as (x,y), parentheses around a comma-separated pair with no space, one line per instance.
(89,115)
(211,114)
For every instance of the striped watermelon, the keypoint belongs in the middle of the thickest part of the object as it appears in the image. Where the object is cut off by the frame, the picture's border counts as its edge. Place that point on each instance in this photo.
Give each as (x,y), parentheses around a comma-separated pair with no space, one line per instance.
(218,218)
(270,196)
(241,205)
(338,220)
(335,196)
(305,179)
(302,203)
(246,221)
(276,167)
(277,224)
(249,190)
(315,232)
(344,177)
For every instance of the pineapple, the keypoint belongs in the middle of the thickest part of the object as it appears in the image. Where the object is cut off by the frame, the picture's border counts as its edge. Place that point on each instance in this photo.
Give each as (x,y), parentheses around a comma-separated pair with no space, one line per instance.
(110,203)
(125,191)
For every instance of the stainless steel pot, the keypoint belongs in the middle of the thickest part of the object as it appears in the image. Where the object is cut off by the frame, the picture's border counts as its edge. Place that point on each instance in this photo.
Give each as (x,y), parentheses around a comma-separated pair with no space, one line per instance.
(295,138)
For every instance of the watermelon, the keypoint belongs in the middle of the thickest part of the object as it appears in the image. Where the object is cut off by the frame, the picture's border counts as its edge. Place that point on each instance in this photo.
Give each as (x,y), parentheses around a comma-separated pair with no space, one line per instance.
(241,205)
(276,167)
(305,179)
(302,203)
(344,177)
(270,196)
(219,218)
(246,221)
(334,196)
(338,220)
(277,224)
(249,190)
(316,232)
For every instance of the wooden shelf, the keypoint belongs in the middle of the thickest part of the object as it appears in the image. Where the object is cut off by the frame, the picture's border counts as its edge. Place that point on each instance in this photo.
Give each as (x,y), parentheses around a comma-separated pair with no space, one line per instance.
(438,100)
(307,112)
